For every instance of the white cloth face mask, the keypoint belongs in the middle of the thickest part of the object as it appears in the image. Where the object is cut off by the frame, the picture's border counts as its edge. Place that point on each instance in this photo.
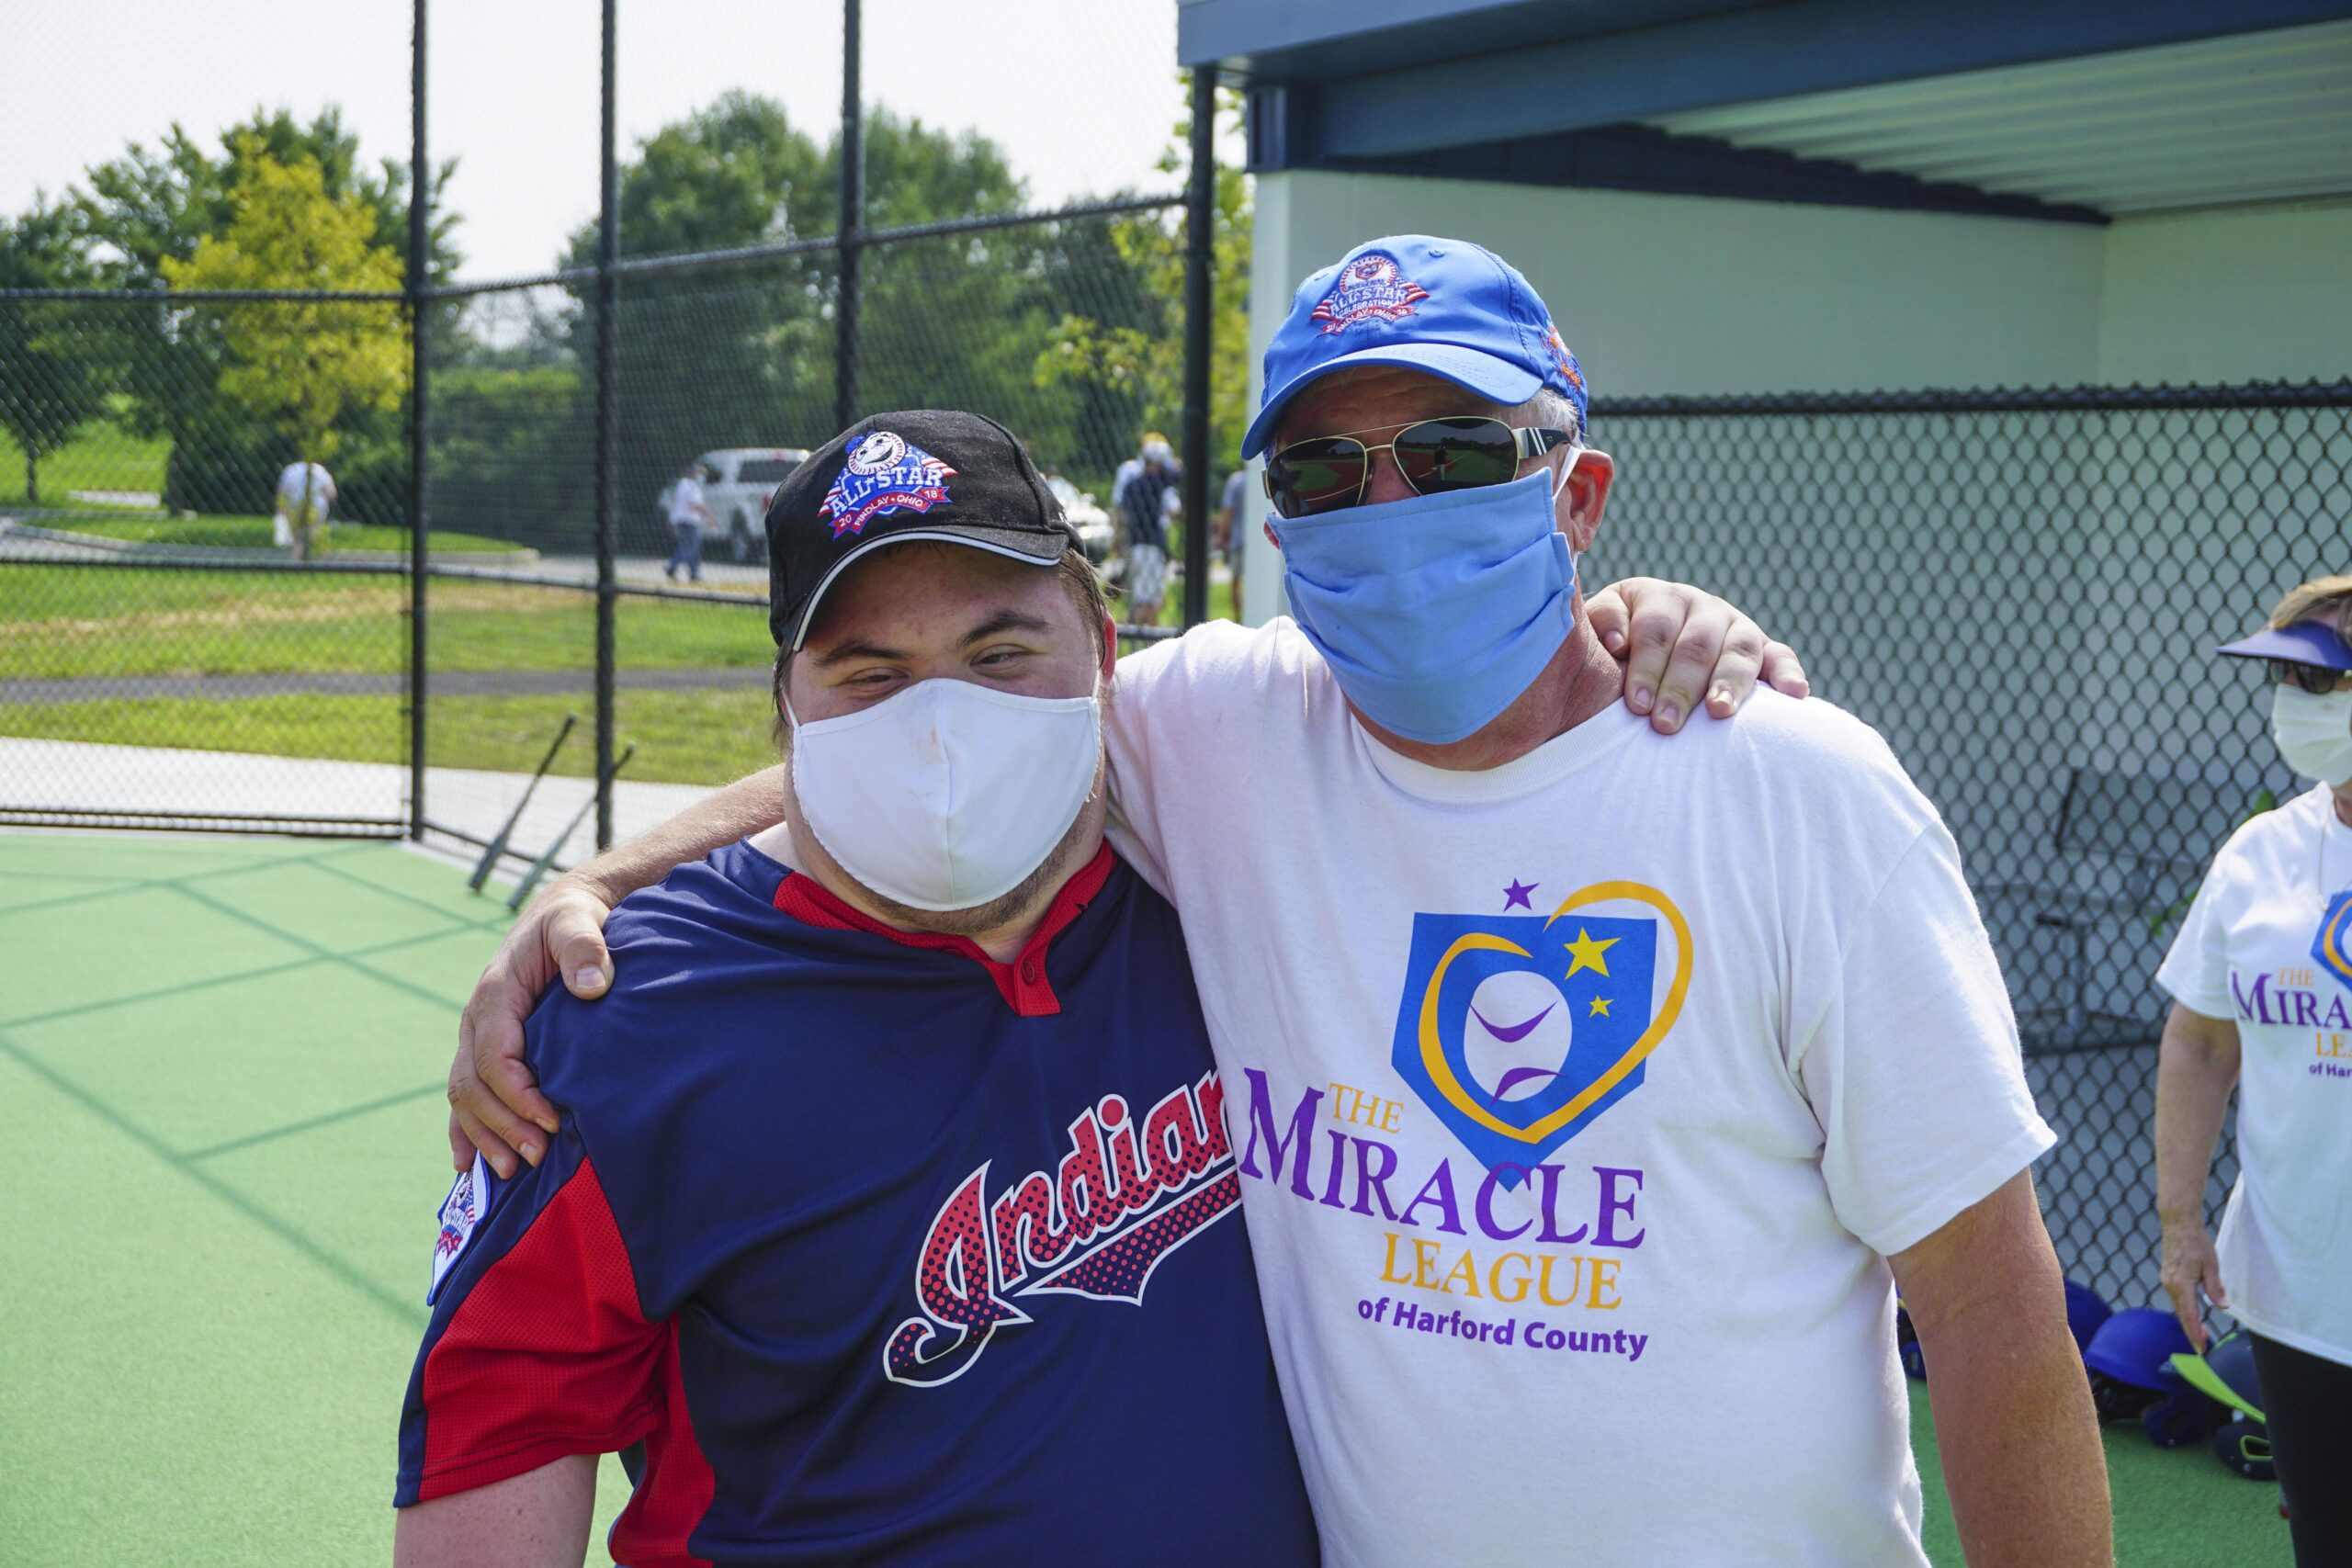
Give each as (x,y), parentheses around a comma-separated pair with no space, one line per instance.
(2314,733)
(947,793)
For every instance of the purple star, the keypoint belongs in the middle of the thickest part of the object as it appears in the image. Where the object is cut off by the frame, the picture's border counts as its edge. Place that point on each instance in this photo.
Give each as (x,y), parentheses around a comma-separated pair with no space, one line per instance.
(1515,896)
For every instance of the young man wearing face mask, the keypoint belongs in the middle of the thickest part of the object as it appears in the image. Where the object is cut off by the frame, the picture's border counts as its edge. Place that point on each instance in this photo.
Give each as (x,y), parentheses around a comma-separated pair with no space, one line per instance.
(892,1214)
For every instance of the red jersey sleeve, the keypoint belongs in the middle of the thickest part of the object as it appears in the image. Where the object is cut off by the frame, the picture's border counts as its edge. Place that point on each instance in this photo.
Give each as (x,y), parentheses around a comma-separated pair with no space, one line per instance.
(538,1348)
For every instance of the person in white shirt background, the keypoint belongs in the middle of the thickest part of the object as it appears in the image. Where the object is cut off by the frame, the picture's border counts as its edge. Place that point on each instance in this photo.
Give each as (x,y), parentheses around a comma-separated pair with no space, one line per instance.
(2261,977)
(305,504)
(688,513)
(1592,1093)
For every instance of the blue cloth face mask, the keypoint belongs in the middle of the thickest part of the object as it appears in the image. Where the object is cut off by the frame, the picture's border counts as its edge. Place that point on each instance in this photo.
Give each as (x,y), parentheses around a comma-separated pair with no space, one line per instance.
(1437,611)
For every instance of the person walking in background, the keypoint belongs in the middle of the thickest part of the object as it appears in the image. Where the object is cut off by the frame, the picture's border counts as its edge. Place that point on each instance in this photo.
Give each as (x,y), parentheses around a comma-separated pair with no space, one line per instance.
(305,504)
(1232,529)
(688,513)
(1144,498)
(1126,470)
(2261,977)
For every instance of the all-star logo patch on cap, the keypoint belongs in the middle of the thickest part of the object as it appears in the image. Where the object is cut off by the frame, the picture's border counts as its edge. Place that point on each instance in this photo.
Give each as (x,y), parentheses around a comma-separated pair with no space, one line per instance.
(917,474)
(1448,307)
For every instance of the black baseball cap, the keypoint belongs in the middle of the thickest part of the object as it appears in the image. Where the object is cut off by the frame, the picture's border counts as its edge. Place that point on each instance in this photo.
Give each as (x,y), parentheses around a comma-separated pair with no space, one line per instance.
(918,474)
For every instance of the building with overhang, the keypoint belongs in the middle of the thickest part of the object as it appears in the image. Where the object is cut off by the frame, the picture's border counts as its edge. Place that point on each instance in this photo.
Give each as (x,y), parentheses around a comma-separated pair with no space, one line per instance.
(1994,355)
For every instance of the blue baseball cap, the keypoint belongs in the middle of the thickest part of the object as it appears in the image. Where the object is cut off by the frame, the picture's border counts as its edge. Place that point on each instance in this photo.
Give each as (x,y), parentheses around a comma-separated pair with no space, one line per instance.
(2305,642)
(1448,307)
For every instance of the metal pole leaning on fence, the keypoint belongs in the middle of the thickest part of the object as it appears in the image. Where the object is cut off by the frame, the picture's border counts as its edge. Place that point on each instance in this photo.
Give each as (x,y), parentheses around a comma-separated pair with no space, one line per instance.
(1200,251)
(607,433)
(497,845)
(600,800)
(420,187)
(849,300)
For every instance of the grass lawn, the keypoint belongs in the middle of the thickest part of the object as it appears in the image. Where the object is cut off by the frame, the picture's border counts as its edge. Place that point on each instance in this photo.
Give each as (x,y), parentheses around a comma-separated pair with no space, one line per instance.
(702,737)
(129,623)
(254,533)
(2174,1508)
(59,622)
(101,455)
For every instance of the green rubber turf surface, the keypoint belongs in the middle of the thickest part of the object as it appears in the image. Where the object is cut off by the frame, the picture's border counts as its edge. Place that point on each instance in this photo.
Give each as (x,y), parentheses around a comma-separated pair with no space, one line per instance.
(221,1155)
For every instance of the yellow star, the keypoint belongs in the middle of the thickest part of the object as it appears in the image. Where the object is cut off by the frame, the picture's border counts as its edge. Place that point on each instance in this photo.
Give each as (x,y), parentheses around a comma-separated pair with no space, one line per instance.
(1588,953)
(1599,1007)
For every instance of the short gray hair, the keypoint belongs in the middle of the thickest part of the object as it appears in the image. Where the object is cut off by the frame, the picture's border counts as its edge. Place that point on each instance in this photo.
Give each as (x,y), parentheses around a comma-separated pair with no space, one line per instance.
(1550,409)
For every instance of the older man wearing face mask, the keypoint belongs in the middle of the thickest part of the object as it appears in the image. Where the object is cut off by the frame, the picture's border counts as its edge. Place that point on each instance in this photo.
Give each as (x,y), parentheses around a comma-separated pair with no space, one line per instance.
(1589,1093)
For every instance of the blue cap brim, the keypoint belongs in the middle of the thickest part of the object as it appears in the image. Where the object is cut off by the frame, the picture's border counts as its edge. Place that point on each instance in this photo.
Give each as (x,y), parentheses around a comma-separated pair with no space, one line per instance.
(2305,642)
(1497,380)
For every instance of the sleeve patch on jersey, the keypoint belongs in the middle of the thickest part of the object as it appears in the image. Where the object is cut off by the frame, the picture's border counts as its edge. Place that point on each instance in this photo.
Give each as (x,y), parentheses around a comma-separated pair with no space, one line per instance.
(468,1199)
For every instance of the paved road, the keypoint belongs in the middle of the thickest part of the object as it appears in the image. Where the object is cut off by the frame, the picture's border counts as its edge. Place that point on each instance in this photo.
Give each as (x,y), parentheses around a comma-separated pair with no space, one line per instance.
(445,683)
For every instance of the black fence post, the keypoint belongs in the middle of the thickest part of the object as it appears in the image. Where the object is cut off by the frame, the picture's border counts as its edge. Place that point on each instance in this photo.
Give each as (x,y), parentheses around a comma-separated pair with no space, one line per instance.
(1200,264)
(851,230)
(419,469)
(607,430)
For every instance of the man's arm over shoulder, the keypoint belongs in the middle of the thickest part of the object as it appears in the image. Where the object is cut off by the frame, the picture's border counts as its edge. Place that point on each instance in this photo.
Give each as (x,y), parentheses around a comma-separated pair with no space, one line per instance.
(494,1104)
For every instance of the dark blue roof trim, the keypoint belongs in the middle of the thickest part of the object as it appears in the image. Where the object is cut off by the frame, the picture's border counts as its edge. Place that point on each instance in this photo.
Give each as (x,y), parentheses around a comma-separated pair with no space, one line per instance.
(1435,75)
(1295,42)
(1638,158)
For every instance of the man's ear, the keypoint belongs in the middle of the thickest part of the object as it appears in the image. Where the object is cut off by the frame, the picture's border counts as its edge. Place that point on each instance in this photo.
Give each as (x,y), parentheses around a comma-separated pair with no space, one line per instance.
(1110,644)
(1585,497)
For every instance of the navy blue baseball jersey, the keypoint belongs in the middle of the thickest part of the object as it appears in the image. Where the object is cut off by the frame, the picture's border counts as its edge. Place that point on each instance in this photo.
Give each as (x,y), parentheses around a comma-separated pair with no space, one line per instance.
(886,1252)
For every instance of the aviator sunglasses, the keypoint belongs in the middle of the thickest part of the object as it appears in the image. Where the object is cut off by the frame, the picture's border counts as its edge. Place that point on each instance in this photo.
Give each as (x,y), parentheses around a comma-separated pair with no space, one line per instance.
(2315,678)
(1325,473)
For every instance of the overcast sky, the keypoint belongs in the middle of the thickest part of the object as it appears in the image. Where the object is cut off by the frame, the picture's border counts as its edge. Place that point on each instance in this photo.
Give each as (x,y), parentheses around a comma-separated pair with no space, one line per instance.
(1083,93)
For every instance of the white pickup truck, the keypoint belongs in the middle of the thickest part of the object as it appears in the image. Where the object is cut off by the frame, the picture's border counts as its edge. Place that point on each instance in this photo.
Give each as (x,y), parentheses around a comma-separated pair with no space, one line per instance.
(741,481)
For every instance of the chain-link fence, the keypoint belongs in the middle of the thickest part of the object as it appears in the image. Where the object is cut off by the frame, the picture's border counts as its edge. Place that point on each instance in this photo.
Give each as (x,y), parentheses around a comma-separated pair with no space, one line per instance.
(2022,591)
(480,579)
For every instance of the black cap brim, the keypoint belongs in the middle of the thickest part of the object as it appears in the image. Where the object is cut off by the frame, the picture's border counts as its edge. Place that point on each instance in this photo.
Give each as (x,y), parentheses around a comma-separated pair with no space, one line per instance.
(1026,544)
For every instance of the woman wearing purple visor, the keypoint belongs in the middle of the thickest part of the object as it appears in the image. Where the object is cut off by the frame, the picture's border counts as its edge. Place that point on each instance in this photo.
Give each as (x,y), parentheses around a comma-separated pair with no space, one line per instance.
(2261,974)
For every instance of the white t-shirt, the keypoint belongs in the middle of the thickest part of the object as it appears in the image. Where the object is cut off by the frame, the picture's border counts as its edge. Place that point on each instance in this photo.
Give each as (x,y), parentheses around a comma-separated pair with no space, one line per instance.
(305,483)
(1763,1041)
(685,501)
(2246,952)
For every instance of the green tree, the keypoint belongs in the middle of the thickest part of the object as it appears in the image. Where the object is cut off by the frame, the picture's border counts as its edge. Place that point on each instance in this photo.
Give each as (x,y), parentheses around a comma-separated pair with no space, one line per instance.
(1137,352)
(53,378)
(301,366)
(147,205)
(152,204)
(744,356)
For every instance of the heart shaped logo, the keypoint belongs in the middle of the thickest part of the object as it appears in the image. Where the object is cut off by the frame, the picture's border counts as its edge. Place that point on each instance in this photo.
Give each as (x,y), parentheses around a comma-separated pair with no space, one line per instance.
(1516,1032)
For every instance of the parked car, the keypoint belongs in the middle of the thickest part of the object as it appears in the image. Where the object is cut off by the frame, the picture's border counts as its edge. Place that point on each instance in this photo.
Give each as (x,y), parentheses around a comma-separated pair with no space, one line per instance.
(1085,514)
(742,481)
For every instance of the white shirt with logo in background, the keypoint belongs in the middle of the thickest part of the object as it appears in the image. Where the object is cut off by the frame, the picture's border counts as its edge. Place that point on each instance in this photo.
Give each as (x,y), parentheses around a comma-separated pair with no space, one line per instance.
(686,505)
(1577,1102)
(2251,949)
